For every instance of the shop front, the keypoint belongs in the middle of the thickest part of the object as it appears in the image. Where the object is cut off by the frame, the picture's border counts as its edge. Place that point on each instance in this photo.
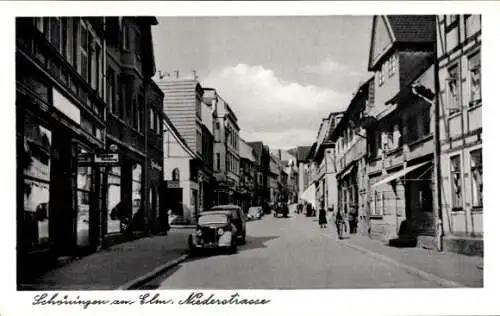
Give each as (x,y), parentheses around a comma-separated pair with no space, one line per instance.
(58,185)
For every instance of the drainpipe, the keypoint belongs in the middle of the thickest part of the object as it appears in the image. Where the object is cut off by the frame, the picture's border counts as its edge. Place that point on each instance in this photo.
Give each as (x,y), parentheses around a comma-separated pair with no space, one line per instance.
(437,152)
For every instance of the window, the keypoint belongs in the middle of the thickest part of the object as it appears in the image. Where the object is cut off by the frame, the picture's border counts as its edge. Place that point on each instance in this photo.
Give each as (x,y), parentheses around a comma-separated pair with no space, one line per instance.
(125,38)
(475,78)
(392,65)
(217,131)
(83,192)
(450,20)
(456,182)
(75,41)
(34,226)
(55,32)
(151,118)
(452,90)
(476,170)
(64,36)
(198,108)
(83,51)
(198,142)
(218,161)
(137,216)
(160,125)
(140,112)
(110,90)
(451,29)
(135,120)
(116,209)
(380,75)
(472,24)
(138,46)
(97,65)
(175,174)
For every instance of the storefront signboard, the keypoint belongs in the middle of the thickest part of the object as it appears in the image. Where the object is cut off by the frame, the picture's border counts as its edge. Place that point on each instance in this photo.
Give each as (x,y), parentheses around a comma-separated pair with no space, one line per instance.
(67,107)
(173,184)
(107,159)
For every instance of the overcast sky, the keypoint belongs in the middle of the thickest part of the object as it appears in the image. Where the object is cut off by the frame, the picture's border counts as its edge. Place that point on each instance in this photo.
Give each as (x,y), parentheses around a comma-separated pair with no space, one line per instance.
(280,75)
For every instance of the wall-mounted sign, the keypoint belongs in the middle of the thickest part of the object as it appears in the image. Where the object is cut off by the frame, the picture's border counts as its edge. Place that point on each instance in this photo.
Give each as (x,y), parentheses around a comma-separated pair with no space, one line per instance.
(67,107)
(84,158)
(107,159)
(173,184)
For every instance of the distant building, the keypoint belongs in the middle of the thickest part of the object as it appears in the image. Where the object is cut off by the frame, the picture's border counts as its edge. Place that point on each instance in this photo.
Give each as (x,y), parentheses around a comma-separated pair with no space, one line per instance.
(226,161)
(350,158)
(460,129)
(184,106)
(274,178)
(248,176)
(322,166)
(302,152)
(180,185)
(263,156)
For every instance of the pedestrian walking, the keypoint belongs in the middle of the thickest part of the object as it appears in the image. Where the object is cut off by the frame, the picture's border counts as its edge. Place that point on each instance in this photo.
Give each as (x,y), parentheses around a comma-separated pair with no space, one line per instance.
(341,222)
(322,215)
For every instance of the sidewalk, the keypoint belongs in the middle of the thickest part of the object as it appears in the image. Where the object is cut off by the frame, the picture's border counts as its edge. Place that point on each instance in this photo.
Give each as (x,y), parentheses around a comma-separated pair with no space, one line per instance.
(442,265)
(115,266)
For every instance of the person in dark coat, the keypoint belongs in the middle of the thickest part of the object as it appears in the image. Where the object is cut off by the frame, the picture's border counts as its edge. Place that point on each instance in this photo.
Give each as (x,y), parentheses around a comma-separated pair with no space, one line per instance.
(322,215)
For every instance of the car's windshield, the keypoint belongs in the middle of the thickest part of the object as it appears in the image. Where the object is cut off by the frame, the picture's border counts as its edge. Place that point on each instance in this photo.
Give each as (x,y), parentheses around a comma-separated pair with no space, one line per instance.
(212,219)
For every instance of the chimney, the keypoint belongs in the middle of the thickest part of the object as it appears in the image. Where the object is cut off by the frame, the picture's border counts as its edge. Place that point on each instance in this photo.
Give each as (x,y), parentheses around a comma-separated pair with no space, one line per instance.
(176,72)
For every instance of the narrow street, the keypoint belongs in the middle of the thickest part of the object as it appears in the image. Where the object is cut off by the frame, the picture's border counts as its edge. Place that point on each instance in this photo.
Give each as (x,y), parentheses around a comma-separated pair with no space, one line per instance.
(287,253)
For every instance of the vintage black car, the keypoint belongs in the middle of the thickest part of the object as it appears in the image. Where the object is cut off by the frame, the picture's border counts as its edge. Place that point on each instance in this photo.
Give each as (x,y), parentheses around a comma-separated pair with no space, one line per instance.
(219,227)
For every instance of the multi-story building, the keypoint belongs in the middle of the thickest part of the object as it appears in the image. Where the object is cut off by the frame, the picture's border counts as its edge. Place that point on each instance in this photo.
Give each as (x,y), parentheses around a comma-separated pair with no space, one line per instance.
(273,177)
(262,155)
(81,140)
(460,128)
(323,162)
(350,153)
(184,106)
(180,184)
(399,131)
(133,184)
(248,175)
(288,160)
(302,153)
(225,150)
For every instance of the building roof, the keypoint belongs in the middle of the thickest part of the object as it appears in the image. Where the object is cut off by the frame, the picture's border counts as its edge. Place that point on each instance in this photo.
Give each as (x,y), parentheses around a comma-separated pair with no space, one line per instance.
(258,147)
(246,151)
(302,152)
(404,30)
(413,28)
(354,105)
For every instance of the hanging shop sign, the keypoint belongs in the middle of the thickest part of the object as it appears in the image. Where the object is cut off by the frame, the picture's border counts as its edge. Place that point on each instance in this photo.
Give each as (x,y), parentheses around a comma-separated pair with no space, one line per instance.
(155,166)
(84,158)
(107,159)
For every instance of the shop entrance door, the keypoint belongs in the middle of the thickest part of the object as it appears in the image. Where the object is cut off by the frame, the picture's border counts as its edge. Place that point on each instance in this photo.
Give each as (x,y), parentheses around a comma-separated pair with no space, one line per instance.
(173,201)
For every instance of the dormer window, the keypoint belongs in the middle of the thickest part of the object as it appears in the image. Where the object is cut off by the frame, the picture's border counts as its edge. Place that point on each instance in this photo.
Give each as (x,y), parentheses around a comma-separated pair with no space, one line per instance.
(380,75)
(392,65)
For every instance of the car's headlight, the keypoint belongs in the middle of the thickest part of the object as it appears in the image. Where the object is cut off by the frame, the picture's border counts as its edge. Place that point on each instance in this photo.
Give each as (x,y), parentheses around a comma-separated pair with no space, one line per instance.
(198,232)
(220,231)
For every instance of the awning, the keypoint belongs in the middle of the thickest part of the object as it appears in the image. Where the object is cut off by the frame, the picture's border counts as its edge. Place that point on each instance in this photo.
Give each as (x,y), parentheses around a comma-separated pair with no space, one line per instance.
(309,195)
(400,173)
(345,172)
